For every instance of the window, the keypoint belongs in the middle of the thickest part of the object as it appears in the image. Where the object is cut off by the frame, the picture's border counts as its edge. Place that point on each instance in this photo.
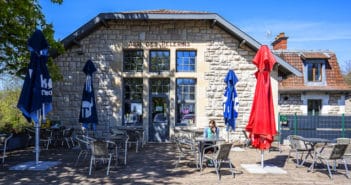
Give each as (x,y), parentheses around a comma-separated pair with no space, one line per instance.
(314,107)
(133,60)
(186,102)
(186,61)
(315,72)
(159,61)
(159,86)
(133,101)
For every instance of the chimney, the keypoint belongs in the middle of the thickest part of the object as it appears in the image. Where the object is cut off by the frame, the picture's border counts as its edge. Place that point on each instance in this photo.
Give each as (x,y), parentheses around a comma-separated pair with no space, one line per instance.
(280,42)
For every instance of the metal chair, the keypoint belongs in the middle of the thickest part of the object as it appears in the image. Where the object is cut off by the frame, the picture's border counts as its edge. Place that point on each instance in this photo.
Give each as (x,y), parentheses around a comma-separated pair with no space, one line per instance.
(332,152)
(84,147)
(299,147)
(219,156)
(247,141)
(120,138)
(186,147)
(4,138)
(67,137)
(100,151)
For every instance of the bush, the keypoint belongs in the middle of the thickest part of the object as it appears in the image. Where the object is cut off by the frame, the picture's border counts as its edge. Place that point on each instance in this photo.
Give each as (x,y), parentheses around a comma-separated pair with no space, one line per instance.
(11,118)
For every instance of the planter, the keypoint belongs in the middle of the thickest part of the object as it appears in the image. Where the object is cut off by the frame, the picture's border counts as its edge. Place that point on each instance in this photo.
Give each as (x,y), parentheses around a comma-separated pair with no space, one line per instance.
(17,141)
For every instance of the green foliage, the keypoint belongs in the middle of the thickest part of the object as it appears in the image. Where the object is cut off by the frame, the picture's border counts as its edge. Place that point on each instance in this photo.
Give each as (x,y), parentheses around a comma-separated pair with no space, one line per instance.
(19,19)
(347,78)
(11,119)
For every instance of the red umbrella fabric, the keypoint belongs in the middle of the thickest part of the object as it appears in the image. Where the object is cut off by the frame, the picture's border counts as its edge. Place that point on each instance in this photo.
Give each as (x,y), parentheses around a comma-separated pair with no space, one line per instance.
(261,123)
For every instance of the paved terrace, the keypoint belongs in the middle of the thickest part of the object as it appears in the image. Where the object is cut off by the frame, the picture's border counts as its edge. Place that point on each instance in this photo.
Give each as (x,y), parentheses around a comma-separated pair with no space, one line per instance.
(155,164)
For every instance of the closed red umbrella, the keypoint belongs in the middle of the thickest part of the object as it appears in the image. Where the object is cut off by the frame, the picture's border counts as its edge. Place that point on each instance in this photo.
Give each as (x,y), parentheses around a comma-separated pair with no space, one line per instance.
(261,125)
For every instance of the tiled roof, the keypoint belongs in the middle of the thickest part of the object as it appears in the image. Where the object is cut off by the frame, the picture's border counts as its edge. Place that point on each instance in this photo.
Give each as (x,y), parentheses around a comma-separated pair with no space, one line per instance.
(335,81)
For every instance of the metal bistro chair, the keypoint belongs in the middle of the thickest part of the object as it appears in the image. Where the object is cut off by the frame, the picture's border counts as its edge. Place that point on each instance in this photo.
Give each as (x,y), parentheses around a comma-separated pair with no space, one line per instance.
(219,156)
(100,151)
(299,147)
(120,138)
(4,138)
(186,147)
(332,152)
(84,147)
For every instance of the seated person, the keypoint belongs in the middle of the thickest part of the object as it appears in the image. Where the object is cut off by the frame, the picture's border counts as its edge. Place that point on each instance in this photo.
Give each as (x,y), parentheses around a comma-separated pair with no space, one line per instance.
(211,132)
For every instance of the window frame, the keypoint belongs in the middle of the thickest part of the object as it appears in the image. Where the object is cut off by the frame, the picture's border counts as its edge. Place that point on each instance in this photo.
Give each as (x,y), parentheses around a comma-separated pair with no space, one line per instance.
(138,65)
(314,103)
(186,67)
(189,101)
(309,62)
(164,62)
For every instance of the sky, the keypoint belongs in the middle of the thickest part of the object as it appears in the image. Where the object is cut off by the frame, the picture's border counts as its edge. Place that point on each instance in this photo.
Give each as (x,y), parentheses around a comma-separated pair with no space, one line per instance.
(310,24)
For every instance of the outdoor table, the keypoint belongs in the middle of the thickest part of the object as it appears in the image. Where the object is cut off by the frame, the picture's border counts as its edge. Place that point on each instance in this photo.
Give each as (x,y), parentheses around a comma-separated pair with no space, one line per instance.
(201,141)
(313,142)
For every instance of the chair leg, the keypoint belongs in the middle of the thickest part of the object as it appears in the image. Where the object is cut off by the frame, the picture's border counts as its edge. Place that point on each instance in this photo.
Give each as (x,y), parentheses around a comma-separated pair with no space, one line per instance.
(330,174)
(91,164)
(217,165)
(346,169)
(108,166)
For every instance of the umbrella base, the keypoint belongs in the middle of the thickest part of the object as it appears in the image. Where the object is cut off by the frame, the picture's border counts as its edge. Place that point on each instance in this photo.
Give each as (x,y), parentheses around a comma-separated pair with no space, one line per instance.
(257,168)
(31,165)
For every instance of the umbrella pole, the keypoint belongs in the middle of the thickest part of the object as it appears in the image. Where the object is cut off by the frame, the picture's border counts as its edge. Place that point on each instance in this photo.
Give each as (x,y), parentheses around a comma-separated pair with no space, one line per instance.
(262,163)
(37,137)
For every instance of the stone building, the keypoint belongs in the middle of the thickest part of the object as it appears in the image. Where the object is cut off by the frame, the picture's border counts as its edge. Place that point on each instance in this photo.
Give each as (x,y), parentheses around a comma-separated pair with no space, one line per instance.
(320,91)
(162,67)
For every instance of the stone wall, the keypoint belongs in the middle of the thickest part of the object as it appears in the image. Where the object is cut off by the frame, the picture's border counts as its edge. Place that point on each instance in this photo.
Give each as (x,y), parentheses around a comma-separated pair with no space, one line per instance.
(217,53)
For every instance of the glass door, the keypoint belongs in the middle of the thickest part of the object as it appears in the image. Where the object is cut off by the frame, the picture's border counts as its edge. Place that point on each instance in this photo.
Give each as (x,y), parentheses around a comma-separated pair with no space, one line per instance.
(159,123)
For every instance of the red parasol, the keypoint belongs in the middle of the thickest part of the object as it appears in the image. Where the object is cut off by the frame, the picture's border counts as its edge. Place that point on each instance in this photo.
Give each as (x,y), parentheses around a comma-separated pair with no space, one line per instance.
(262,121)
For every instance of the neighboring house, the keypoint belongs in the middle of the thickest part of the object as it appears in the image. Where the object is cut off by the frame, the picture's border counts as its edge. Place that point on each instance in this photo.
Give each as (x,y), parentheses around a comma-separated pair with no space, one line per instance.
(320,91)
(155,68)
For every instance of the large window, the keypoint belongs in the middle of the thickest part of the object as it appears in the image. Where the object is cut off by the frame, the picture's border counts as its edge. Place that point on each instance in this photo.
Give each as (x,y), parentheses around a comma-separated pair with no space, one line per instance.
(133,101)
(133,60)
(314,107)
(186,61)
(159,60)
(186,101)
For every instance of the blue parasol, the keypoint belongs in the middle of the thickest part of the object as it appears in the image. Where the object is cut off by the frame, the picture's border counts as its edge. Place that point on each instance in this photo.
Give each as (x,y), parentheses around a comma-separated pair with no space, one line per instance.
(231,103)
(36,96)
(88,114)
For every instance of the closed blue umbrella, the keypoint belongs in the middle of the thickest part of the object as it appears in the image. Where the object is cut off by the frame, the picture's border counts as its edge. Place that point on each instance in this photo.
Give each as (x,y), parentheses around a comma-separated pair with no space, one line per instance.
(36,96)
(88,114)
(231,103)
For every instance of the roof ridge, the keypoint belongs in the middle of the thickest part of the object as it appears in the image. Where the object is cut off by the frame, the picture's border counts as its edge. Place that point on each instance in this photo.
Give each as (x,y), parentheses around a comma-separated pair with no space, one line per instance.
(166,11)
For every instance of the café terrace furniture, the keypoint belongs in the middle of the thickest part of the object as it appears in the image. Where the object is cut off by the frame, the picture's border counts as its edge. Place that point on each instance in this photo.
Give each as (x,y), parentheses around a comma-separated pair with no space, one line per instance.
(330,152)
(135,134)
(298,146)
(4,138)
(219,156)
(100,151)
(201,144)
(247,141)
(84,144)
(120,138)
(186,147)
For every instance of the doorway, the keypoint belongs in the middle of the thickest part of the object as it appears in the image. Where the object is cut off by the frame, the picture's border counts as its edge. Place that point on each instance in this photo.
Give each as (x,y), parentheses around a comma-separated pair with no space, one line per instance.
(159,119)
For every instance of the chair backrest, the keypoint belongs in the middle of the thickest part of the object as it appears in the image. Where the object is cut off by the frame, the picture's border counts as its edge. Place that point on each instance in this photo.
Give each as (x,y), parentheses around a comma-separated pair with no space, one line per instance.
(99,148)
(4,138)
(338,151)
(83,143)
(296,142)
(223,151)
(345,141)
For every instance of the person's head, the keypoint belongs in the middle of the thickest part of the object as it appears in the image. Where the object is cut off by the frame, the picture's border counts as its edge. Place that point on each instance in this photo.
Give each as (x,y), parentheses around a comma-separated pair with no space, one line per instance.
(212,123)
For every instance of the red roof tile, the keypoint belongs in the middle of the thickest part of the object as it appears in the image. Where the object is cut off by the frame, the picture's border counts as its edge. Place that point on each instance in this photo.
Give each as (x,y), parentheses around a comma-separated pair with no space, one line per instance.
(335,81)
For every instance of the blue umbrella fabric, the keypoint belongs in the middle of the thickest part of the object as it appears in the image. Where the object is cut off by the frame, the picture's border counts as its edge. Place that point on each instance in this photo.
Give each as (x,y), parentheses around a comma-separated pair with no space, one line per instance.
(88,114)
(35,100)
(231,103)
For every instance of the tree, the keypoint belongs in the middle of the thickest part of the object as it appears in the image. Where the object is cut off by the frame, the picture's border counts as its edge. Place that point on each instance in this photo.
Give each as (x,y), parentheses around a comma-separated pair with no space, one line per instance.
(346,71)
(19,19)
